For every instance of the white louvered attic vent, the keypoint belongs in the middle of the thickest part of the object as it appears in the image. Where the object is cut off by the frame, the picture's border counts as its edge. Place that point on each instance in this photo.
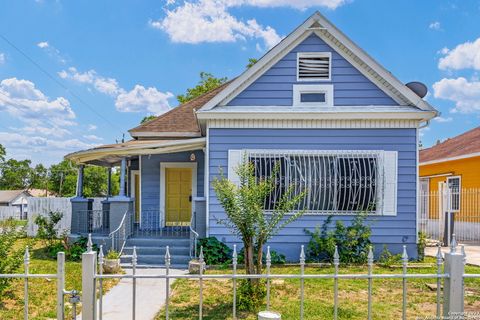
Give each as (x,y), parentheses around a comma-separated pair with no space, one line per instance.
(314,66)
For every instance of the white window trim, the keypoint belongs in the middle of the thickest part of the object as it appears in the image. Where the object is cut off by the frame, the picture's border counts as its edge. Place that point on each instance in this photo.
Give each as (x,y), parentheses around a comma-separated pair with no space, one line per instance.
(132,191)
(315,54)
(163,166)
(240,155)
(459,192)
(298,89)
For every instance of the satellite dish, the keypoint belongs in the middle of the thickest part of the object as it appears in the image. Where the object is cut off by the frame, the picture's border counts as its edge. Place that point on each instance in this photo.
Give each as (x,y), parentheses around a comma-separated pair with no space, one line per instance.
(419,88)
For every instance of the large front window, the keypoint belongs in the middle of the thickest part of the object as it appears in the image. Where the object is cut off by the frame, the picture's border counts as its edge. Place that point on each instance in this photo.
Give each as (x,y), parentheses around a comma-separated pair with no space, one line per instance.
(335,181)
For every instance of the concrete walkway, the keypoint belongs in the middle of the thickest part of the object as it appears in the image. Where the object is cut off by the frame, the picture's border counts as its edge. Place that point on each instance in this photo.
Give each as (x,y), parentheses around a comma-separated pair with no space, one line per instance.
(117,303)
(472,252)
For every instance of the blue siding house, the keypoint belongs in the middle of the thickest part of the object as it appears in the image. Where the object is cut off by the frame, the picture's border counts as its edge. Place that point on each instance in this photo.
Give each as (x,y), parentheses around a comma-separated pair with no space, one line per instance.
(343,129)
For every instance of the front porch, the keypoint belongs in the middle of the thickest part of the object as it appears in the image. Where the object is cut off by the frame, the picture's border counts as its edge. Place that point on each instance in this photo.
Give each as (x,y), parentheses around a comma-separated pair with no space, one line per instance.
(161,196)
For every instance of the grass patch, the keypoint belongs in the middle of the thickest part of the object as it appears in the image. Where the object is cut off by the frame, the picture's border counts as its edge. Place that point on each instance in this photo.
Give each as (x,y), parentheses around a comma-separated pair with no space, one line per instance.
(387,295)
(42,292)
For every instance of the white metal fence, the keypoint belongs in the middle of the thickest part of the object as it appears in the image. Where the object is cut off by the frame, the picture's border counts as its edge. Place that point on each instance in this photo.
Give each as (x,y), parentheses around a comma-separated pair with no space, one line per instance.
(448,211)
(449,272)
(59,277)
(42,206)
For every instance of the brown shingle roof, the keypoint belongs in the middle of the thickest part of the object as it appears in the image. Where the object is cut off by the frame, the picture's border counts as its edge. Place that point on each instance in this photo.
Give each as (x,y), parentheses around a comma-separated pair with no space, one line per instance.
(466,143)
(181,119)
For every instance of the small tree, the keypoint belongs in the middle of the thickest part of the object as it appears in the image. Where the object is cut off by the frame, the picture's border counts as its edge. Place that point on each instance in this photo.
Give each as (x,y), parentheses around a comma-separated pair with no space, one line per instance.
(47,227)
(10,255)
(246,217)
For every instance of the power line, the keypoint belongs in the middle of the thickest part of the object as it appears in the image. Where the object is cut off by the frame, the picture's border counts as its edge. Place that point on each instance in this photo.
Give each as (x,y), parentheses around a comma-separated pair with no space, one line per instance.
(53,78)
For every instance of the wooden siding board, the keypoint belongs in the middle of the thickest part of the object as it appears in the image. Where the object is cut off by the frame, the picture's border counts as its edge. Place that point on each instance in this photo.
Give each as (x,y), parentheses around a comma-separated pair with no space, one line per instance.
(401,228)
(274,87)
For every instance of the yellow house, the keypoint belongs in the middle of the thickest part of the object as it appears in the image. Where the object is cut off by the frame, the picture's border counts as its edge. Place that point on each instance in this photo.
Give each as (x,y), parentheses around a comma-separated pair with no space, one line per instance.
(450,181)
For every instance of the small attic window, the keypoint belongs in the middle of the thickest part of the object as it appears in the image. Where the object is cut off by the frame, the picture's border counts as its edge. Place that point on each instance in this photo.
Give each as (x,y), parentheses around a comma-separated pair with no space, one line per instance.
(313,95)
(314,66)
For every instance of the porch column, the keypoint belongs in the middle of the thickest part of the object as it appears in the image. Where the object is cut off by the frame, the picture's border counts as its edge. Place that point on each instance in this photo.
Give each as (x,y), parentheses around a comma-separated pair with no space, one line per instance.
(120,204)
(109,182)
(122,177)
(79,192)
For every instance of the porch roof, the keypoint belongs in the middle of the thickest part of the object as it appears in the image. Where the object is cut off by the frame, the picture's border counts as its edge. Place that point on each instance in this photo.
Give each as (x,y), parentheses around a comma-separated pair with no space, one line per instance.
(111,154)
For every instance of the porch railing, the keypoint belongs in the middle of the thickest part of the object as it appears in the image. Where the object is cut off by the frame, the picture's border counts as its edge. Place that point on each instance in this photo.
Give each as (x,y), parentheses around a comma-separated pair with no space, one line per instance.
(193,237)
(119,236)
(154,224)
(91,221)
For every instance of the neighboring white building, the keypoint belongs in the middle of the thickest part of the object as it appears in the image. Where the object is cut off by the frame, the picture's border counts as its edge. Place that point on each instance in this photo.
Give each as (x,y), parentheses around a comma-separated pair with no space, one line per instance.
(16,199)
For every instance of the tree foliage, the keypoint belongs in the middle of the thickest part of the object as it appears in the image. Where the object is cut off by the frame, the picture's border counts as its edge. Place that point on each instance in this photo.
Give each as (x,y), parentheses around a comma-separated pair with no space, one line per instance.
(147,118)
(207,83)
(10,255)
(60,178)
(251,62)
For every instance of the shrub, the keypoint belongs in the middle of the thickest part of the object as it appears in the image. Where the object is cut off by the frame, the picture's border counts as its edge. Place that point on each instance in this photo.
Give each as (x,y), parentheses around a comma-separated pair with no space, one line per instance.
(47,227)
(422,243)
(387,259)
(276,258)
(214,251)
(250,298)
(353,241)
(73,251)
(10,258)
(112,254)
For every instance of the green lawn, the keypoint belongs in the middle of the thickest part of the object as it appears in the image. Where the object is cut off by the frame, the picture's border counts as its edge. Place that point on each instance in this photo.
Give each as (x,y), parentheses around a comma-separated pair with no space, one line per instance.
(42,292)
(387,296)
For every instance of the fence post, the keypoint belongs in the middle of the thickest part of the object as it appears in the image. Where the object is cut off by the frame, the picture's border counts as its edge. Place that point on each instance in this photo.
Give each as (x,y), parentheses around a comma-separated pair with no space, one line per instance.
(88,284)
(60,285)
(453,302)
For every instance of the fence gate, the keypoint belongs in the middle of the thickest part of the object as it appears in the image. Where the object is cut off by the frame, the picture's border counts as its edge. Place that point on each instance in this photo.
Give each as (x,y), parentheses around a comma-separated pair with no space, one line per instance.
(60,278)
(450,210)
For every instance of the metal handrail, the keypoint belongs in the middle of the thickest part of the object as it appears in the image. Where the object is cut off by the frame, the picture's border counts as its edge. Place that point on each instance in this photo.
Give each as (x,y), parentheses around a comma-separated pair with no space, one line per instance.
(193,240)
(119,229)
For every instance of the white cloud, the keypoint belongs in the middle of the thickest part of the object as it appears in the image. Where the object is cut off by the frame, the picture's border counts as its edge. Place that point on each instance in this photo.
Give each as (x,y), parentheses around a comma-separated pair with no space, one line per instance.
(104,85)
(92,127)
(2,58)
(463,56)
(434,25)
(21,99)
(210,21)
(443,119)
(14,140)
(465,93)
(51,51)
(92,137)
(141,99)
(43,44)
(53,131)
(423,131)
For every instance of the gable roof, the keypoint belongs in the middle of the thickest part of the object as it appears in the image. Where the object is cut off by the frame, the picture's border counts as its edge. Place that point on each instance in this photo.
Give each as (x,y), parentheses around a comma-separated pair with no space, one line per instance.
(319,25)
(178,122)
(7,196)
(462,146)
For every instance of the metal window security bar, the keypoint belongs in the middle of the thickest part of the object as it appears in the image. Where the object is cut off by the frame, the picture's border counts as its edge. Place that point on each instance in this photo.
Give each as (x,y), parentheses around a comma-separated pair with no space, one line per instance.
(450,271)
(60,278)
(346,182)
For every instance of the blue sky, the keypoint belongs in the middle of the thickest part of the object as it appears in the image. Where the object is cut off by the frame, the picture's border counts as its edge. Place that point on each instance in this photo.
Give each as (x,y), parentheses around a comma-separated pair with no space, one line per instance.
(80,73)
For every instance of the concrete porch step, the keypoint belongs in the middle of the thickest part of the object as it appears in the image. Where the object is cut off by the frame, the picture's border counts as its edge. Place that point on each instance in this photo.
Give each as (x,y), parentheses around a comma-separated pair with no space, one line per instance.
(158,242)
(158,260)
(160,251)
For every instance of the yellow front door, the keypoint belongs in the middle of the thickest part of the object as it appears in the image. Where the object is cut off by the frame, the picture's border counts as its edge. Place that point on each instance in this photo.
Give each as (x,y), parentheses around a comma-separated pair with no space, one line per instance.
(178,196)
